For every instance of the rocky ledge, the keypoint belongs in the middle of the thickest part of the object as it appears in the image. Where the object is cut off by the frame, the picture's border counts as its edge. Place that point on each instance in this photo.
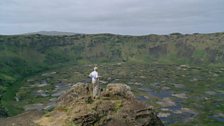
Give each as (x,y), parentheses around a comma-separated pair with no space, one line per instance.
(116,106)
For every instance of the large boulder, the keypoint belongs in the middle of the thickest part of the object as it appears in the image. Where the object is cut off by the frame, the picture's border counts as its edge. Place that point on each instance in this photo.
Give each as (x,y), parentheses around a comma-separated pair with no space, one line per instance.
(118,89)
(76,92)
(116,106)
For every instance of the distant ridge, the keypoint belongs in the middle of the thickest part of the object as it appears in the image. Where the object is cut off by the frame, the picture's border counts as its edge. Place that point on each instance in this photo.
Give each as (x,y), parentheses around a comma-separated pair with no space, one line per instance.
(51,33)
(62,33)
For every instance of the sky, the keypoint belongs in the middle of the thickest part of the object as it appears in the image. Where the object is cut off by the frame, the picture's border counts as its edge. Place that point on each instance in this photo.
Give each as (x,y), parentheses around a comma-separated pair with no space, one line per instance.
(129,17)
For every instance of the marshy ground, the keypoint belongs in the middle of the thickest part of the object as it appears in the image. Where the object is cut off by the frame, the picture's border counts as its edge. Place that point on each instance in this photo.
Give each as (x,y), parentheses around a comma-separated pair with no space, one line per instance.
(181,94)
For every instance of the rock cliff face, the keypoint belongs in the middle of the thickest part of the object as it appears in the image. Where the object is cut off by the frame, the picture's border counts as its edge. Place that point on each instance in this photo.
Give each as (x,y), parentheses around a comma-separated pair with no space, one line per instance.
(116,106)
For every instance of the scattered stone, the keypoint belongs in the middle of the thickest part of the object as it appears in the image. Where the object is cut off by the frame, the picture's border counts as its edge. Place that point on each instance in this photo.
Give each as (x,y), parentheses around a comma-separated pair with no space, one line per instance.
(109,79)
(48,74)
(30,80)
(142,77)
(220,115)
(44,74)
(41,85)
(166,102)
(165,88)
(215,75)
(159,94)
(37,106)
(181,95)
(163,114)
(17,99)
(103,82)
(188,111)
(130,83)
(220,91)
(50,106)
(142,98)
(53,99)
(41,93)
(143,89)
(178,112)
(194,79)
(138,84)
(206,98)
(57,94)
(184,66)
(210,92)
(60,89)
(165,109)
(119,64)
(183,75)
(179,86)
(217,118)
(53,73)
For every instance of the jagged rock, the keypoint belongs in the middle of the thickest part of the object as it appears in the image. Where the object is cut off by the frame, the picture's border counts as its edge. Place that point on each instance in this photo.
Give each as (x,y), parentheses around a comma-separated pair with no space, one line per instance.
(116,106)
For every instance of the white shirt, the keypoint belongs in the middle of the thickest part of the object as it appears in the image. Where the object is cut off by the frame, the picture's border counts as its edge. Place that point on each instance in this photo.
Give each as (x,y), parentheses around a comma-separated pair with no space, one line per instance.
(94,75)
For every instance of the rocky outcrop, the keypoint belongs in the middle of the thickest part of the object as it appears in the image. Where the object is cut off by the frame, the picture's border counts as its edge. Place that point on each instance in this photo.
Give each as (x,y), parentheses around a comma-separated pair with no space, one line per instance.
(116,106)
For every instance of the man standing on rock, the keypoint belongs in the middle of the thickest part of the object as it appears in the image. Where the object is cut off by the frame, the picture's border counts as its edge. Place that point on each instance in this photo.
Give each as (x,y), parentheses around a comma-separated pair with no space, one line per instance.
(95,81)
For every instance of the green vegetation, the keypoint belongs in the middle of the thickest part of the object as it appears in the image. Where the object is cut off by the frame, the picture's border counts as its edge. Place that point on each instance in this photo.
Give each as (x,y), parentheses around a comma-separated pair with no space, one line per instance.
(201,88)
(24,56)
(118,104)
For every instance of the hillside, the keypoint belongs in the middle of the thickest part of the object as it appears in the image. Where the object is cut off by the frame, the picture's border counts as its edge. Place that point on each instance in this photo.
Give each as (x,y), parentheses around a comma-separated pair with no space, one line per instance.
(174,48)
(26,55)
